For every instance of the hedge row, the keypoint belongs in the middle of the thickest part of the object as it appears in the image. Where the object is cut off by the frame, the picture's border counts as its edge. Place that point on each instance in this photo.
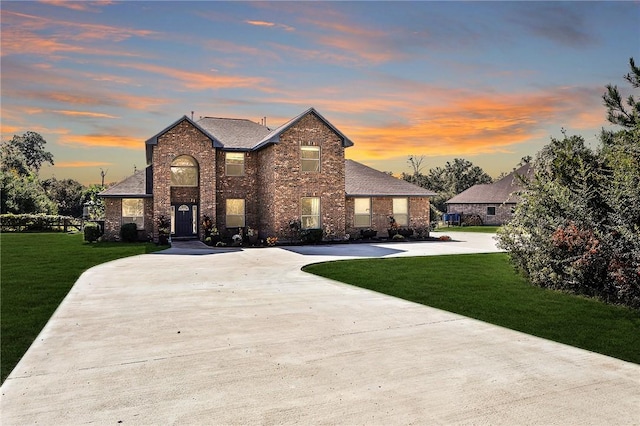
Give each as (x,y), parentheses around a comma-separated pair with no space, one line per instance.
(36,222)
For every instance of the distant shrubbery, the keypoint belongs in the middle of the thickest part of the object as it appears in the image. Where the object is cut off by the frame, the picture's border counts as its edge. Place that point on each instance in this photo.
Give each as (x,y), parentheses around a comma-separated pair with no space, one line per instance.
(34,222)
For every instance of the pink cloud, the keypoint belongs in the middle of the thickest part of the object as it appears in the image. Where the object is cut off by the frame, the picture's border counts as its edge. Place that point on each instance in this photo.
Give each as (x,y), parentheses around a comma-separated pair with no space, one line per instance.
(270,25)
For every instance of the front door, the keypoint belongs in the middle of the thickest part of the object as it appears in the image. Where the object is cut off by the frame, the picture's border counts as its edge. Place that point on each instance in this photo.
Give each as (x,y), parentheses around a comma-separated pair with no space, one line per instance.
(185,225)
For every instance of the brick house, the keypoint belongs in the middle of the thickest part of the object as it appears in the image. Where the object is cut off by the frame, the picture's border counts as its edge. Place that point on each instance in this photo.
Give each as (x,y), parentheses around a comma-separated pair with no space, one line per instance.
(242,174)
(494,202)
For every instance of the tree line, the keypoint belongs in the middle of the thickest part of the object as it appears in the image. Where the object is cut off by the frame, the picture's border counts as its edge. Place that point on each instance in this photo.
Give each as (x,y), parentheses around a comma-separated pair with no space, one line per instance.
(22,190)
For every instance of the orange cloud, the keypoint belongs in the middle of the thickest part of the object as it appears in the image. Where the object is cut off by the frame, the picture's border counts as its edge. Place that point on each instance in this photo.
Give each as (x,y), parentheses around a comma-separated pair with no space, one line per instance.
(80,164)
(98,140)
(96,99)
(7,131)
(24,34)
(201,81)
(84,114)
(414,118)
(77,5)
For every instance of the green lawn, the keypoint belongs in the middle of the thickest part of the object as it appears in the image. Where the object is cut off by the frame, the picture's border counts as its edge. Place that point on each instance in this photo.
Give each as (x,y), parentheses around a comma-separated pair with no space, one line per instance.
(38,270)
(484,286)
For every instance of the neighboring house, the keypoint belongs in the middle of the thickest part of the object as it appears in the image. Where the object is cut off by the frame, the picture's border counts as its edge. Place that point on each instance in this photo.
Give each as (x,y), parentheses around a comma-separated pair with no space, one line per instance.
(494,202)
(243,175)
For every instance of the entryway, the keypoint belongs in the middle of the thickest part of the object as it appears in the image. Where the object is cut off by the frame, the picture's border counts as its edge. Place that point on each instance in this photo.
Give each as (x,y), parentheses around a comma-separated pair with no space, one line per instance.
(184,220)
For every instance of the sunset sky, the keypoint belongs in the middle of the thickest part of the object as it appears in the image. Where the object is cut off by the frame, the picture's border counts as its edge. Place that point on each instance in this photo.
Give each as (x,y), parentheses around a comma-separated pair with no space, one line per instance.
(487,81)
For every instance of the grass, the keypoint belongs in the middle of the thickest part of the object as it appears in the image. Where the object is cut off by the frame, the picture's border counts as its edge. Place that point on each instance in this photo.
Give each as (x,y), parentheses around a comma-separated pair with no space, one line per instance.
(38,270)
(485,287)
(487,229)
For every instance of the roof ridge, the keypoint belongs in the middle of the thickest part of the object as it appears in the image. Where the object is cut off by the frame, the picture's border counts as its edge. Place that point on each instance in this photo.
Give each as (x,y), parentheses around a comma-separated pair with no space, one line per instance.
(228,118)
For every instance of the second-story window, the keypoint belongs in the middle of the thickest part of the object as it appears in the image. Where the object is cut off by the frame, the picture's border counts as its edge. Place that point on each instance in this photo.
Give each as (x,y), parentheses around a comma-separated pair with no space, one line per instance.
(184,171)
(310,158)
(234,163)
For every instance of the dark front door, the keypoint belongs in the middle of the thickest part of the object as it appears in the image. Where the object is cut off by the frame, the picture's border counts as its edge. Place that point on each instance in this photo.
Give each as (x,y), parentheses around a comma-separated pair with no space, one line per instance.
(184,220)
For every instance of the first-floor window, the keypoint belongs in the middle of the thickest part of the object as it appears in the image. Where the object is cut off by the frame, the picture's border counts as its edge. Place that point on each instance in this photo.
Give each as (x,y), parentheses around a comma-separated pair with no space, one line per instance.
(133,211)
(401,211)
(362,212)
(235,213)
(491,211)
(310,212)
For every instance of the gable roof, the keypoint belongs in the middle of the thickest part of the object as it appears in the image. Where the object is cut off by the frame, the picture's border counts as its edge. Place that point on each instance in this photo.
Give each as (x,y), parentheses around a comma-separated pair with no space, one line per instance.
(361,180)
(241,134)
(234,133)
(274,135)
(132,187)
(504,190)
(153,140)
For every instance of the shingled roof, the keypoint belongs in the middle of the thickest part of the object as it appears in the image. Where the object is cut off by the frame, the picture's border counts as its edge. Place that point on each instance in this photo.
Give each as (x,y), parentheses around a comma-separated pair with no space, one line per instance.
(133,186)
(504,190)
(361,180)
(234,133)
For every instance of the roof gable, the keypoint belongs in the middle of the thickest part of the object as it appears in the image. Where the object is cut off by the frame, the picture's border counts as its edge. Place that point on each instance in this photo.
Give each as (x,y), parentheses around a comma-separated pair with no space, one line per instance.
(502,191)
(361,180)
(154,139)
(274,135)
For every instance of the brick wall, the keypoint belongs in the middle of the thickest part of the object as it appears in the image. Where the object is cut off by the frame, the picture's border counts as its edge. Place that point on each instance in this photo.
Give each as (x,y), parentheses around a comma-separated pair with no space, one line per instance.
(113,219)
(282,183)
(502,216)
(382,208)
(183,139)
(244,187)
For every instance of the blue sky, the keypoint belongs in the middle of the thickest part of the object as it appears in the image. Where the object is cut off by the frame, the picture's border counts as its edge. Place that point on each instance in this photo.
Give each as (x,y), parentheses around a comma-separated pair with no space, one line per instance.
(487,81)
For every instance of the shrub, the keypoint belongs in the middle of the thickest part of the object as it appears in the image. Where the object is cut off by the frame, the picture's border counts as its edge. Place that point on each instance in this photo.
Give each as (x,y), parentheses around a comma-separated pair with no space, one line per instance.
(129,232)
(576,227)
(34,222)
(92,232)
(311,236)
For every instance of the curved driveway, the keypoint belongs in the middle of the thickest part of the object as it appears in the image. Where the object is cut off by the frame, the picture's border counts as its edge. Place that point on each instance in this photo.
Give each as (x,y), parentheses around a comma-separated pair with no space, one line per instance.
(245,337)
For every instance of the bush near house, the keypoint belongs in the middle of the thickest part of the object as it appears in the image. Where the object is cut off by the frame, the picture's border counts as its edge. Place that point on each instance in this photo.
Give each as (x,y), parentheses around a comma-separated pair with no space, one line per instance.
(92,232)
(129,232)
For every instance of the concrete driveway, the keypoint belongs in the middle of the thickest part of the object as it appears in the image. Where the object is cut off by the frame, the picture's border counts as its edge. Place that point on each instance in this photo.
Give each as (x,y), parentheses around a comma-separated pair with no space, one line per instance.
(200,336)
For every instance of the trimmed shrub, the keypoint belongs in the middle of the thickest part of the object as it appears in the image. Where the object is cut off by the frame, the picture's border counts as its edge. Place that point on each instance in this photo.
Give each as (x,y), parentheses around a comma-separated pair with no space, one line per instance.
(35,222)
(311,236)
(92,232)
(129,232)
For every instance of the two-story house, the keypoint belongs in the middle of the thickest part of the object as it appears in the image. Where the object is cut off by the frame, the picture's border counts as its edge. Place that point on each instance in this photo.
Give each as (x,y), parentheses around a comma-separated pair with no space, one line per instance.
(242,174)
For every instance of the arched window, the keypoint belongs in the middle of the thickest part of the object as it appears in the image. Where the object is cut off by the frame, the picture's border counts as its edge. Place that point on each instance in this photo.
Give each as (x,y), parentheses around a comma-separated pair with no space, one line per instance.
(184,171)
